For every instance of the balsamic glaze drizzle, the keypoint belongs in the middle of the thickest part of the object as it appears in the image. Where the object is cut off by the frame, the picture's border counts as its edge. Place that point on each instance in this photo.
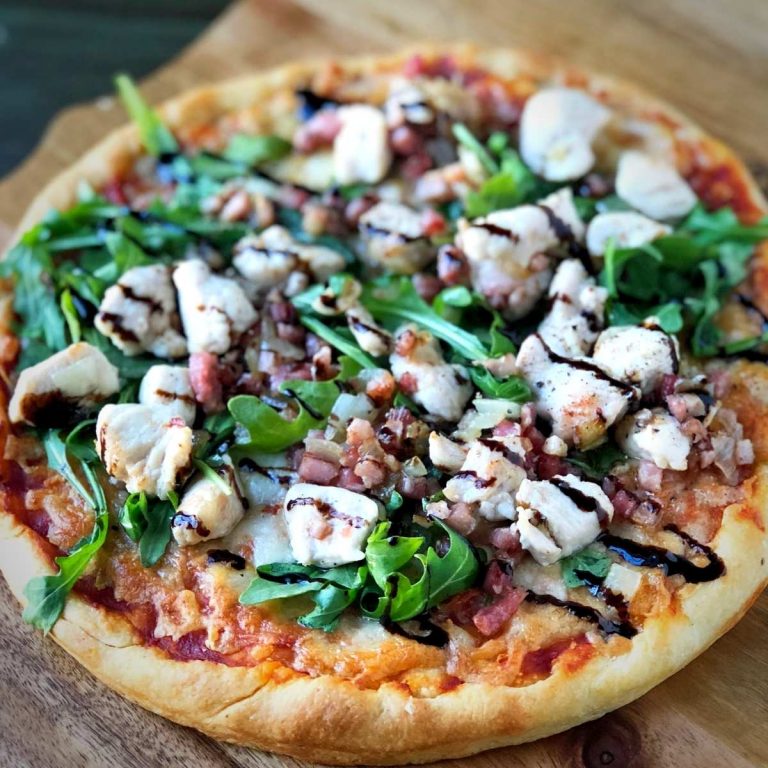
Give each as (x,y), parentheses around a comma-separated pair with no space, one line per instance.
(649,556)
(427,633)
(606,625)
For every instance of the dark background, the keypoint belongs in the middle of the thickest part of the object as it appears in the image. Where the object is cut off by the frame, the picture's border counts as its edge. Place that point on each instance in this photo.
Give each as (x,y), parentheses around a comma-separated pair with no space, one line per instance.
(54,53)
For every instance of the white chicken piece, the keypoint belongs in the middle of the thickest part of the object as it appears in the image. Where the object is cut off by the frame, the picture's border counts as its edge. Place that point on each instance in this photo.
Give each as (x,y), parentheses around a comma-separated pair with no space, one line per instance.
(266,259)
(577,308)
(407,104)
(77,377)
(169,387)
(557,128)
(507,249)
(328,526)
(442,389)
(639,355)
(489,478)
(446,454)
(580,400)
(271,257)
(361,150)
(208,511)
(215,311)
(393,236)
(560,516)
(626,229)
(141,447)
(369,335)
(653,186)
(138,313)
(657,436)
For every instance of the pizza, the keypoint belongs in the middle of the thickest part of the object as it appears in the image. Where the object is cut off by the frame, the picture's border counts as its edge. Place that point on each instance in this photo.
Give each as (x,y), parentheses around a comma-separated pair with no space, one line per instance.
(391,409)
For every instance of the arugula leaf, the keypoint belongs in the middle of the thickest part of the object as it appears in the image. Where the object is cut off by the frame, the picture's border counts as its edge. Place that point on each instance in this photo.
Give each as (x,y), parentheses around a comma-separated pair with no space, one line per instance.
(597,463)
(210,473)
(260,590)
(133,515)
(255,150)
(155,136)
(47,595)
(350,576)
(267,431)
(385,554)
(330,602)
(513,185)
(70,314)
(464,136)
(589,561)
(395,300)
(157,534)
(512,388)
(337,341)
(452,572)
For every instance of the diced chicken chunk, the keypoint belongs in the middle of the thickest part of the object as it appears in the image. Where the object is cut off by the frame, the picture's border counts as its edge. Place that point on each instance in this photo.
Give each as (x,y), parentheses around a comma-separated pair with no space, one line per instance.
(560,516)
(215,311)
(637,354)
(272,257)
(78,377)
(169,387)
(138,313)
(579,399)
(557,128)
(626,229)
(653,186)
(370,336)
(577,307)
(206,510)
(507,250)
(328,526)
(361,150)
(407,104)
(655,436)
(489,478)
(445,454)
(418,366)
(140,446)
(393,235)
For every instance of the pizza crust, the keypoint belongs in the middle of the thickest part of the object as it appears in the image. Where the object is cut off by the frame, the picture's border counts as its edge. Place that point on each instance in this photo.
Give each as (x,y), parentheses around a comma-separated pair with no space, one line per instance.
(338,722)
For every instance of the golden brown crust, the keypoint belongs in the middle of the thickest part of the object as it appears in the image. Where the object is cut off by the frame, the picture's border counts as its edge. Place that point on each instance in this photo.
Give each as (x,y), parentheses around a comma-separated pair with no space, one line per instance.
(338,722)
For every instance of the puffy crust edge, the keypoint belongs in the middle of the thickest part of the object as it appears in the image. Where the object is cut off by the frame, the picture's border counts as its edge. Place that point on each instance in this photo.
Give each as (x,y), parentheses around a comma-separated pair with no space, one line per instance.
(338,722)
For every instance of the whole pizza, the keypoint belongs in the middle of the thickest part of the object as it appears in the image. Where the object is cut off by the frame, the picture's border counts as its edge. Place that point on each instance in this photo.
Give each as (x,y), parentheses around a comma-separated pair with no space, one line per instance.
(389,409)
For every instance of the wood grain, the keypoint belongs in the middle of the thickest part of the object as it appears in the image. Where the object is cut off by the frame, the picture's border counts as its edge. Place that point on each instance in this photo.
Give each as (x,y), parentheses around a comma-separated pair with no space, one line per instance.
(707,57)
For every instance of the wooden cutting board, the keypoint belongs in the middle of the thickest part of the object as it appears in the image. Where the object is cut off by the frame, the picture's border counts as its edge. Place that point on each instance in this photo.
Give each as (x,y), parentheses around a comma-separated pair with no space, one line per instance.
(708,57)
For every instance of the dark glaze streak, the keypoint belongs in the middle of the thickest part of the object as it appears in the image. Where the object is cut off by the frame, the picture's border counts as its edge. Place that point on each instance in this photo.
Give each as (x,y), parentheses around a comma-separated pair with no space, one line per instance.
(597,588)
(234,561)
(607,626)
(181,520)
(585,365)
(495,229)
(480,482)
(373,231)
(116,321)
(582,500)
(649,556)
(311,102)
(565,234)
(129,293)
(314,413)
(176,396)
(669,341)
(499,447)
(425,633)
(358,325)
(326,510)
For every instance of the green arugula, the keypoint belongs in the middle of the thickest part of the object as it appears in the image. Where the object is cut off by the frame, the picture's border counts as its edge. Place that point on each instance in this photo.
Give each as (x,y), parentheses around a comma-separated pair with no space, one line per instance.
(267,431)
(46,595)
(155,136)
(598,462)
(148,522)
(587,561)
(401,577)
